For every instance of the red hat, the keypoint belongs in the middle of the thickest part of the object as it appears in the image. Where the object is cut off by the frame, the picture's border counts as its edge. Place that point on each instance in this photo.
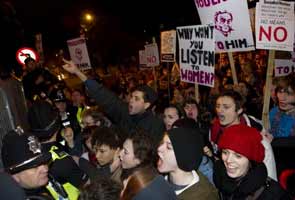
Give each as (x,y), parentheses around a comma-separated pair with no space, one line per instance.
(244,140)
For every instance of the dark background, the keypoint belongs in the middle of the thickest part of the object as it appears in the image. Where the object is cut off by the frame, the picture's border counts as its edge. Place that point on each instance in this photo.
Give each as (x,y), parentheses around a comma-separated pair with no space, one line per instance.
(120,30)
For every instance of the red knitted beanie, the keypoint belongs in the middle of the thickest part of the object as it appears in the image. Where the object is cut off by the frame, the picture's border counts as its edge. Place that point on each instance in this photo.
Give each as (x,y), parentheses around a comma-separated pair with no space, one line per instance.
(244,140)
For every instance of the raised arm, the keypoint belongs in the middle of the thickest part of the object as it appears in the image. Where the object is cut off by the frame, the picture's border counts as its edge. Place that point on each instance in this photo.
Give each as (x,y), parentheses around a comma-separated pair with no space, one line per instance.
(73,69)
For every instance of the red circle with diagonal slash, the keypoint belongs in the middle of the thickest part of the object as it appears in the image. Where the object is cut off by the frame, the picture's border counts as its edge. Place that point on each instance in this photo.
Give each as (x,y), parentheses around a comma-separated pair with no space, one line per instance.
(24,52)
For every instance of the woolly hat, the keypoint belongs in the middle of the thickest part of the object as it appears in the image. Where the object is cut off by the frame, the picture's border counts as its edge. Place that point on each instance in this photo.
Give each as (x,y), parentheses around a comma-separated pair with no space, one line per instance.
(44,120)
(188,147)
(151,95)
(244,140)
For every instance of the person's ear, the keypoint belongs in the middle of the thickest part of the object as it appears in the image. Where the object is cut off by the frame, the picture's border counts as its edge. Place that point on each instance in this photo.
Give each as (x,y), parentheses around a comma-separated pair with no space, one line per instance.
(240,111)
(137,161)
(146,105)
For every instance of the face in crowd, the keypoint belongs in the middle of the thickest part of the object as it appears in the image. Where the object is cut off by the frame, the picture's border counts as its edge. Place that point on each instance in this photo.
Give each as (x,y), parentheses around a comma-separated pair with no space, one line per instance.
(191,111)
(286,99)
(61,106)
(137,105)
(105,154)
(170,116)
(167,160)
(77,98)
(226,111)
(236,164)
(33,178)
(127,156)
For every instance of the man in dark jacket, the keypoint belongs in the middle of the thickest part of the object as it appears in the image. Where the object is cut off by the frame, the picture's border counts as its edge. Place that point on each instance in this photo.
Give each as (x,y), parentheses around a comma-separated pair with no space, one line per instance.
(37,80)
(136,114)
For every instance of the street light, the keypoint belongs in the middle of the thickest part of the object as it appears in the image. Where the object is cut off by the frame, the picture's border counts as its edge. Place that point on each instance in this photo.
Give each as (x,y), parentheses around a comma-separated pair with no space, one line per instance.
(87,20)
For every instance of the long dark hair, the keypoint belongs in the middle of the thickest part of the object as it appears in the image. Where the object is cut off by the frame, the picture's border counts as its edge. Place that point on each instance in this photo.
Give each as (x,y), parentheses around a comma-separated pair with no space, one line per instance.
(138,180)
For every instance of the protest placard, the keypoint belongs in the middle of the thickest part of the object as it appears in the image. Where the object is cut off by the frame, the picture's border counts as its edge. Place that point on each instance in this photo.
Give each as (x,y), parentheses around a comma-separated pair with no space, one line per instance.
(232,23)
(275,25)
(152,55)
(284,67)
(196,54)
(142,57)
(79,54)
(168,46)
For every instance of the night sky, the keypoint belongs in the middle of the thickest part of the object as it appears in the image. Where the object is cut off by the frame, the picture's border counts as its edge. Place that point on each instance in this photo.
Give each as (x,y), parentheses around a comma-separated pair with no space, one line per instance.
(120,30)
(121,27)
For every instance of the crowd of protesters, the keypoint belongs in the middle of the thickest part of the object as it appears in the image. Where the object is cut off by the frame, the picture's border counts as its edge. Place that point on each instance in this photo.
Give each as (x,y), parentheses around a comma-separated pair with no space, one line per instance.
(132,136)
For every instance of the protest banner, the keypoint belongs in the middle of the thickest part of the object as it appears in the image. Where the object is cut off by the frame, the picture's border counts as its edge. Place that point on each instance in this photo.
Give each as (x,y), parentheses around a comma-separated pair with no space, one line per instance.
(79,54)
(168,46)
(275,25)
(284,67)
(196,54)
(232,23)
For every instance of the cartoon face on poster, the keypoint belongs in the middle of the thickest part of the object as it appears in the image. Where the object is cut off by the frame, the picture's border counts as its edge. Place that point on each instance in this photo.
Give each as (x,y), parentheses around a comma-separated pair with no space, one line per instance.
(231,21)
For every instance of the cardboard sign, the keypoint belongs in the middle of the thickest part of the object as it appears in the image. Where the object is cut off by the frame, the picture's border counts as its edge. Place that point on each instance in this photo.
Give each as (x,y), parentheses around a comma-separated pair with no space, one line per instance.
(196,54)
(284,67)
(168,46)
(152,55)
(275,25)
(231,21)
(142,58)
(79,53)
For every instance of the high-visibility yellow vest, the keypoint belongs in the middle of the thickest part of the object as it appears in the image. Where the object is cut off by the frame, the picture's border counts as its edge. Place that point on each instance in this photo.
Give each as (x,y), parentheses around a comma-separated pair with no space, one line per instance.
(72,192)
(78,115)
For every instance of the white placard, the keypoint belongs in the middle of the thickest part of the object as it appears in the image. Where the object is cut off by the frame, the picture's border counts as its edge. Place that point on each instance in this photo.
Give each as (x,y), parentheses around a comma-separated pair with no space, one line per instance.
(79,54)
(168,46)
(142,57)
(152,55)
(275,25)
(284,67)
(232,23)
(196,54)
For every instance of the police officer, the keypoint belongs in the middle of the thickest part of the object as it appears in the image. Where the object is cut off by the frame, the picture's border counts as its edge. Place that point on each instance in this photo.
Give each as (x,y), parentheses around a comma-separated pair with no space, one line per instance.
(26,167)
(45,123)
(70,139)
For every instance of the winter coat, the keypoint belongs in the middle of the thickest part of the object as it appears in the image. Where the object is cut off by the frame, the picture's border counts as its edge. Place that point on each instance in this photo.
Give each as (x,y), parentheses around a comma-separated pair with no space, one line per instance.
(255,185)
(158,189)
(201,190)
(251,121)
